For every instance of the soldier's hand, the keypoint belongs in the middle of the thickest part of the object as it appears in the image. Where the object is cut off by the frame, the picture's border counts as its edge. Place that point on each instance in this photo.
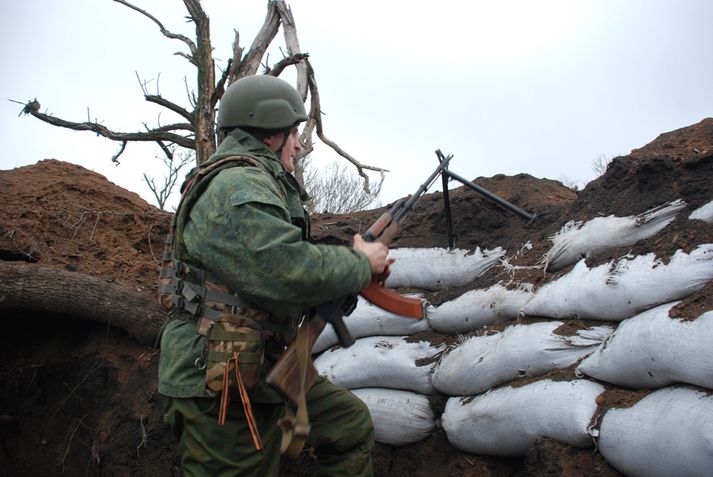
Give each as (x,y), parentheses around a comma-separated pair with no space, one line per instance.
(376,252)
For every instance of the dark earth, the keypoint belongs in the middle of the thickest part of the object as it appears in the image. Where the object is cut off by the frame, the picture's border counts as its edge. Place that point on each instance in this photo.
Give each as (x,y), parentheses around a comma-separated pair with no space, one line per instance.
(79,395)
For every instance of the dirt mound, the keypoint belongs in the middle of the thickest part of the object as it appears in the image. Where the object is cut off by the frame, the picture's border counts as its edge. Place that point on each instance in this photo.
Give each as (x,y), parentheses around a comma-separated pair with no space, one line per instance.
(685,144)
(63,215)
(80,398)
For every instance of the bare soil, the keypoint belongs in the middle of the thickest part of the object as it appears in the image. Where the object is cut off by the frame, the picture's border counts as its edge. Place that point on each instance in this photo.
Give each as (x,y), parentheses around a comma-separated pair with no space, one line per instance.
(80,398)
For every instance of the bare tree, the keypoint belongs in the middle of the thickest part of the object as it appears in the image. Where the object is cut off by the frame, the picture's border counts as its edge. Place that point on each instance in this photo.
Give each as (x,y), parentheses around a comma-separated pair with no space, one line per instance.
(174,165)
(569,182)
(198,130)
(337,190)
(600,164)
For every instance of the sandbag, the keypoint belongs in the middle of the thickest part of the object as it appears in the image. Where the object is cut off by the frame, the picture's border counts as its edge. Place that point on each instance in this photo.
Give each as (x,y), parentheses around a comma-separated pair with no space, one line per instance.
(577,240)
(400,417)
(439,268)
(669,432)
(370,320)
(483,362)
(620,289)
(704,213)
(380,361)
(652,350)
(478,308)
(507,421)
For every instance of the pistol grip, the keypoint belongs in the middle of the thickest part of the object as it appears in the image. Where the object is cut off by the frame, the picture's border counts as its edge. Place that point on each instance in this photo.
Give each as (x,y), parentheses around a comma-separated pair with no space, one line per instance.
(345,338)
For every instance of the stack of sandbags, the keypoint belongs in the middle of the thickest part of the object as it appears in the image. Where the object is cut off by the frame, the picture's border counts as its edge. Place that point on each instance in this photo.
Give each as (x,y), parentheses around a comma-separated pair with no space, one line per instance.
(397,372)
(507,421)
(651,350)
(484,362)
(390,373)
(439,268)
(502,396)
(383,361)
(577,240)
(478,308)
(620,289)
(669,432)
(400,417)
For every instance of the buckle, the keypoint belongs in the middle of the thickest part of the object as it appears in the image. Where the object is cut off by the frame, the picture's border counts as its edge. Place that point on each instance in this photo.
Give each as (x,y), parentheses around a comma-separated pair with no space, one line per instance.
(179,267)
(178,302)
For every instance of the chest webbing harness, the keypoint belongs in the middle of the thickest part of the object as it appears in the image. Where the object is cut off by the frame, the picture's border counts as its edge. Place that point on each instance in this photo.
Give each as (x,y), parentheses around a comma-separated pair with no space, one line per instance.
(183,286)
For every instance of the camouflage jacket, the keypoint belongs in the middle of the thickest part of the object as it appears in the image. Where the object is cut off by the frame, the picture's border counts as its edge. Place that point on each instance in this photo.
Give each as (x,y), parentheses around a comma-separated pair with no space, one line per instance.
(251,230)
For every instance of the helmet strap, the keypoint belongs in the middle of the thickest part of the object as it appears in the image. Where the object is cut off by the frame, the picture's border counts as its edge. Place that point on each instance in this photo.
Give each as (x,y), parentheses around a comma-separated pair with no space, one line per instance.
(284,141)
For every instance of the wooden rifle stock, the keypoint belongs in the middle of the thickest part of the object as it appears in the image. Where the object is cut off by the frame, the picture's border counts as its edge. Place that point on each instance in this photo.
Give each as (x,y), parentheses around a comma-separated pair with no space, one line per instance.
(285,373)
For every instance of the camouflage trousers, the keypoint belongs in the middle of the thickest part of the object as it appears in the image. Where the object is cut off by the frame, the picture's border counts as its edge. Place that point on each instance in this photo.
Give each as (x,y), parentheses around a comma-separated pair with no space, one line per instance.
(342,435)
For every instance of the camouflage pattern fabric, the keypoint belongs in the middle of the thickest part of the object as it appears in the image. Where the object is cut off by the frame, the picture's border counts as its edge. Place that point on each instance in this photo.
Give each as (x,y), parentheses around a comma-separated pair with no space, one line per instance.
(234,334)
(342,435)
(250,229)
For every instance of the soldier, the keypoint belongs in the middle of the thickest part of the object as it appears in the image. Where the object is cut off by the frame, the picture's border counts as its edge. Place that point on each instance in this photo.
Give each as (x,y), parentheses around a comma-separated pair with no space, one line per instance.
(243,274)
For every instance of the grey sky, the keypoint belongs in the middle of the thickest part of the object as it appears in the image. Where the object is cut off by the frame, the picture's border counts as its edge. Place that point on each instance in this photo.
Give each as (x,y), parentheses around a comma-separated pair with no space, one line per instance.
(507,87)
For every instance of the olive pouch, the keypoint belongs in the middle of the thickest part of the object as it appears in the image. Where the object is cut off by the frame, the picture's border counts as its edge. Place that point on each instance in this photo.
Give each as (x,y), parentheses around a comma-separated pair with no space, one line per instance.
(231,334)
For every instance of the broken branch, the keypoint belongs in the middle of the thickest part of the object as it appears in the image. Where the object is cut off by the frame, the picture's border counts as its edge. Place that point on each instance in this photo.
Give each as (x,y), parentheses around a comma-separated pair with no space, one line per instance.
(115,157)
(280,66)
(251,62)
(164,31)
(315,114)
(161,101)
(159,134)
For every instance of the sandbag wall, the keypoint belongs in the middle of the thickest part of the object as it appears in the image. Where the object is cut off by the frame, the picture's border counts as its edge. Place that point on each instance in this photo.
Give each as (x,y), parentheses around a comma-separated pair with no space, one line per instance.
(494,352)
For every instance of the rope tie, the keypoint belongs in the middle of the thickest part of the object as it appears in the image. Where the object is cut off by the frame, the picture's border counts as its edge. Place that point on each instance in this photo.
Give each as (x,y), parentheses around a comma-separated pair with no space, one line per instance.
(225,399)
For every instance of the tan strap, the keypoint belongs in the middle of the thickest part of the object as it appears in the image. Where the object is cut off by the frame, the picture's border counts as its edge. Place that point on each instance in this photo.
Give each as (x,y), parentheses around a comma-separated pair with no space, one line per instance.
(296,427)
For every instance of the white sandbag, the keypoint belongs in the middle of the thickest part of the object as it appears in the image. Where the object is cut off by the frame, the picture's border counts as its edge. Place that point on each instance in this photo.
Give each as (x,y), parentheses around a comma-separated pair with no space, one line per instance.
(439,268)
(370,320)
(483,362)
(507,421)
(652,350)
(400,417)
(704,213)
(380,361)
(618,290)
(478,308)
(669,432)
(577,240)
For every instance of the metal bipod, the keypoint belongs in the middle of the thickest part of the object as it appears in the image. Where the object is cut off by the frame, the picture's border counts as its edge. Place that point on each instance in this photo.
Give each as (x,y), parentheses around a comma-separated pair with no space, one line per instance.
(447,174)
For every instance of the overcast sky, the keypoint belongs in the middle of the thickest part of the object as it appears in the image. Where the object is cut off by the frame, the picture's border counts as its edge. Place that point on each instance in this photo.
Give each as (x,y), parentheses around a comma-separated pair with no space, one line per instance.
(542,87)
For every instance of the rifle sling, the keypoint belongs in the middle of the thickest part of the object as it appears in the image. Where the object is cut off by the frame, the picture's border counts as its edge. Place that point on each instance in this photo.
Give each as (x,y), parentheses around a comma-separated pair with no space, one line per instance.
(296,427)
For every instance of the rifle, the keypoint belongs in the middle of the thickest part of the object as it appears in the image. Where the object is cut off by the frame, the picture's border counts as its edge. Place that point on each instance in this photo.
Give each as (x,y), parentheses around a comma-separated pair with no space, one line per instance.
(294,372)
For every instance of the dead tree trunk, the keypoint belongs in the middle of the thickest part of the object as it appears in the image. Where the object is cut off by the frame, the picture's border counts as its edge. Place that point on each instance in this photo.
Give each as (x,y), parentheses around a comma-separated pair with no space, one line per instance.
(199,132)
(204,113)
(31,287)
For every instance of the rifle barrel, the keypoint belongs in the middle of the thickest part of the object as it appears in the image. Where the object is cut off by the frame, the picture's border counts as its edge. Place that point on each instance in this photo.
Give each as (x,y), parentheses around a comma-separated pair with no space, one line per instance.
(406,207)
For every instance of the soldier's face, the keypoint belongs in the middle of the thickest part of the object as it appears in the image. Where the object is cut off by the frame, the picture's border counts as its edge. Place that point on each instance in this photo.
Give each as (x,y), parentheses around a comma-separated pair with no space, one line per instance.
(289,150)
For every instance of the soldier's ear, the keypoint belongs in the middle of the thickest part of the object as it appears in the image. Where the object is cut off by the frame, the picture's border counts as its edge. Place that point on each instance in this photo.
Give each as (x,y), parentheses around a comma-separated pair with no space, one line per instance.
(273,142)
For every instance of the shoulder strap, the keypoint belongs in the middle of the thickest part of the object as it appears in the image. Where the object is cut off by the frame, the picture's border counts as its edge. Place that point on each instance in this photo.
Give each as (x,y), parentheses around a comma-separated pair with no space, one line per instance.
(192,188)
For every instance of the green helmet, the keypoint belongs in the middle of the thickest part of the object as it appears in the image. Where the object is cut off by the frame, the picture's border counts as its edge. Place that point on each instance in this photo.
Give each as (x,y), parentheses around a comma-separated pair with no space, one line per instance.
(263,102)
